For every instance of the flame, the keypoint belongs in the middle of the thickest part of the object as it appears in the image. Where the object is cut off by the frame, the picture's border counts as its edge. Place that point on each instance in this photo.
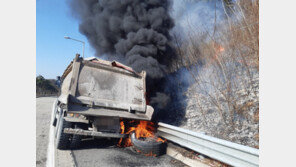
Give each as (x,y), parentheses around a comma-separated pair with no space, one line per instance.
(220,49)
(161,140)
(150,154)
(122,130)
(142,129)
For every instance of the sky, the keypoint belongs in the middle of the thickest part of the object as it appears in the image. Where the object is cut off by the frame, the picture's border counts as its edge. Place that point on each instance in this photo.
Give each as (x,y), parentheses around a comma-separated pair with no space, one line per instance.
(53,51)
(54,21)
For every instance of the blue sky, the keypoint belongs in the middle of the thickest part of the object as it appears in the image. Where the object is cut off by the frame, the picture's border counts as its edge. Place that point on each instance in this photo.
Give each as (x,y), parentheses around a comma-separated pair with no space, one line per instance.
(53,52)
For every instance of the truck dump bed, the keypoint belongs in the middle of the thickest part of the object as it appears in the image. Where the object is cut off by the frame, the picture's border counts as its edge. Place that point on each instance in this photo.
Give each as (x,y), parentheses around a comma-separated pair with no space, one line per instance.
(103,88)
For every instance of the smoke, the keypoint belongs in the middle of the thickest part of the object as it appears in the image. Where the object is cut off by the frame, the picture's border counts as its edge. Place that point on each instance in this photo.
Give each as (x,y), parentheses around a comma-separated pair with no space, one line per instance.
(198,14)
(161,100)
(133,31)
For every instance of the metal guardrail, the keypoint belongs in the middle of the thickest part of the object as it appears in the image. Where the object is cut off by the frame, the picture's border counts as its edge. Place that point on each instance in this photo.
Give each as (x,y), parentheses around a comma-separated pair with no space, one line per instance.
(222,150)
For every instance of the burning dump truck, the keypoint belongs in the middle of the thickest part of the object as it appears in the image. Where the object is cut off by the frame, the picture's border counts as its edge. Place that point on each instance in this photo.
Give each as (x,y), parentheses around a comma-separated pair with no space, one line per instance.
(104,99)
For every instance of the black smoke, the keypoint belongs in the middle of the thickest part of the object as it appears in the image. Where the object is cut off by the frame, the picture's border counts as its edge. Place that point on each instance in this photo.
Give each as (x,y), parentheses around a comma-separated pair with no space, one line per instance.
(137,30)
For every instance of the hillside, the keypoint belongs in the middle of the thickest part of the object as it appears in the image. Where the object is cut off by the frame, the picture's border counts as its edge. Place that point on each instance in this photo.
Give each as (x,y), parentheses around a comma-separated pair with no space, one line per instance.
(223,97)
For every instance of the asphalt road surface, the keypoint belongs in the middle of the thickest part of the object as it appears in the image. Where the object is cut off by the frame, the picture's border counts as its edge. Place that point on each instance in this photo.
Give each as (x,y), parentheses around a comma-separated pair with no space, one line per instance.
(43,116)
(92,153)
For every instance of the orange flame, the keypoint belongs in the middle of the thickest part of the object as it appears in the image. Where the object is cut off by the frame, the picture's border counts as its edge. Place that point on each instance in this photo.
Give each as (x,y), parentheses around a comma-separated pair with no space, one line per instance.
(221,49)
(161,140)
(122,130)
(218,48)
(143,129)
(150,154)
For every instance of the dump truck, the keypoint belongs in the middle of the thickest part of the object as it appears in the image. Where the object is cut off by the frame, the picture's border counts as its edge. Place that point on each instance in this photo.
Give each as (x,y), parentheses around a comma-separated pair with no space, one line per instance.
(95,96)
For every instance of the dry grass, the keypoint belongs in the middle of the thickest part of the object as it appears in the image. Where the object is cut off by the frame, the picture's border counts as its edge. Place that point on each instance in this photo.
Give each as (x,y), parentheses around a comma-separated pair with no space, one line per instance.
(225,65)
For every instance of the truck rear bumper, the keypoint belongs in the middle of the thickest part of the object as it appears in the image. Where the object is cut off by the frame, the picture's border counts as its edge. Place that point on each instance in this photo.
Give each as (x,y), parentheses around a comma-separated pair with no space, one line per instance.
(97,111)
(93,133)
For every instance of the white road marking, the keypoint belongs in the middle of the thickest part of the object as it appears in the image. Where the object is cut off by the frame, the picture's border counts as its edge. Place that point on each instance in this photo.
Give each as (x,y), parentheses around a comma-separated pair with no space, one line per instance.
(50,150)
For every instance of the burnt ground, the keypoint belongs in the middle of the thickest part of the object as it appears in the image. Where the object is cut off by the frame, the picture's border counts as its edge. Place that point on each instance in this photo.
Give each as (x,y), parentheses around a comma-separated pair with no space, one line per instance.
(103,152)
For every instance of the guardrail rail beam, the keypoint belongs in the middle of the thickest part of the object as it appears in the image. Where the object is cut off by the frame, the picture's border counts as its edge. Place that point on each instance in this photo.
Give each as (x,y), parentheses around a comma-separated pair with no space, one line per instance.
(230,153)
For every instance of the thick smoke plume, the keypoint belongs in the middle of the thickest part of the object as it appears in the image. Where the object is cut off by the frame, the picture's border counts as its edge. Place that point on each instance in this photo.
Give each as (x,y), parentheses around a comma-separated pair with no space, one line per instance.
(134,31)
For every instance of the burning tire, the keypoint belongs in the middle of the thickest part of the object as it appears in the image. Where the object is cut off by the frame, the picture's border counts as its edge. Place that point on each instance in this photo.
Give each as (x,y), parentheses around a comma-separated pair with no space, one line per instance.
(148,146)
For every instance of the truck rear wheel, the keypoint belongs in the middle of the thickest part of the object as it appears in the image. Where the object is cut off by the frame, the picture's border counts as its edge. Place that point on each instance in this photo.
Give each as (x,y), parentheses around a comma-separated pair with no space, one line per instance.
(63,139)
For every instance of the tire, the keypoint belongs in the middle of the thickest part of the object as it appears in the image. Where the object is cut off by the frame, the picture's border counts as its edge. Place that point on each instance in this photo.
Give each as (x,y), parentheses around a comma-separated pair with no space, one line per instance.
(76,139)
(145,147)
(63,139)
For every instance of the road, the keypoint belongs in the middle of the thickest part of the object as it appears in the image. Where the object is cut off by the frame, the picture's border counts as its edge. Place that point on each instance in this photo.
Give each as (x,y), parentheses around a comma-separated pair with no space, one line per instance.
(43,115)
(99,152)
